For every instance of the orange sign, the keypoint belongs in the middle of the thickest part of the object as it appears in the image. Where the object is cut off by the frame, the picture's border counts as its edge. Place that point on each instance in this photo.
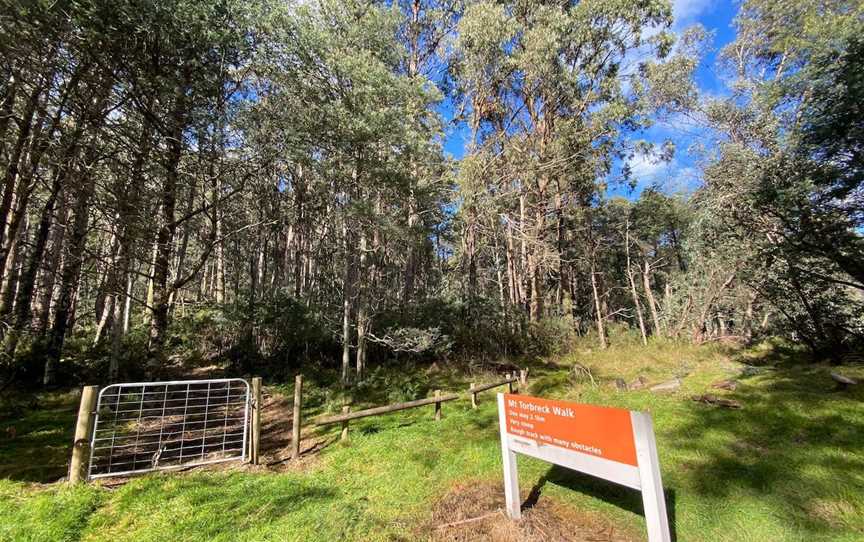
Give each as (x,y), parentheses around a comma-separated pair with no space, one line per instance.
(594,430)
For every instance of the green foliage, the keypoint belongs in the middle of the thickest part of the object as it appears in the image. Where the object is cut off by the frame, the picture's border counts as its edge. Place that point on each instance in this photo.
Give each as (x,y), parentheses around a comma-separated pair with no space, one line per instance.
(474,327)
(272,336)
(551,336)
(780,198)
(406,384)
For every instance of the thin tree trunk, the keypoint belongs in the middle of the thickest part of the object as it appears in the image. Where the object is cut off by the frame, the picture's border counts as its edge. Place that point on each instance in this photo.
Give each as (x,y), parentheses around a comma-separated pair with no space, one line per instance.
(10,279)
(28,278)
(598,310)
(71,270)
(649,294)
(362,311)
(262,266)
(470,236)
(24,128)
(559,252)
(499,273)
(512,273)
(219,282)
(53,263)
(108,290)
(411,257)
(150,288)
(535,270)
(523,250)
(127,309)
(636,304)
(748,317)
(301,251)
(347,295)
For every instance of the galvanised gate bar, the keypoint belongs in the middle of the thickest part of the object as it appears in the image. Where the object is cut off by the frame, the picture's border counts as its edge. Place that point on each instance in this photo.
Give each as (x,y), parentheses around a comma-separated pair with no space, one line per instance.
(146,426)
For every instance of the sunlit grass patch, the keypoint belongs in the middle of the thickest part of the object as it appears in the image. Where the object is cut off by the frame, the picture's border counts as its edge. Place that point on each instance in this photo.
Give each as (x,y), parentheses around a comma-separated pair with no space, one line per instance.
(56,513)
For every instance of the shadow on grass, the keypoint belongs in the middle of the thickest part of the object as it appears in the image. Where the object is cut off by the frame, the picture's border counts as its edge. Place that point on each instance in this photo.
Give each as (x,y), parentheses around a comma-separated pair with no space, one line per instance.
(795,442)
(35,446)
(614,494)
(774,352)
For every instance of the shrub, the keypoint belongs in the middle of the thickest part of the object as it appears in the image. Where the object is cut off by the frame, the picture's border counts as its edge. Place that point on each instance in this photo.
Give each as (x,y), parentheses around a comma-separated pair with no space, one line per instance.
(271,336)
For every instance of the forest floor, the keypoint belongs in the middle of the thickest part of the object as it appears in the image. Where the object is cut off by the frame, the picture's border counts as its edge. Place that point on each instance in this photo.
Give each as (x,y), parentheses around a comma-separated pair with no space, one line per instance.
(787,465)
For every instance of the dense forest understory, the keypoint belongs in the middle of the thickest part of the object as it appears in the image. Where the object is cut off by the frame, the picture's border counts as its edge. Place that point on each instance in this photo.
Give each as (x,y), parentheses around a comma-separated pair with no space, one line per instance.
(393,197)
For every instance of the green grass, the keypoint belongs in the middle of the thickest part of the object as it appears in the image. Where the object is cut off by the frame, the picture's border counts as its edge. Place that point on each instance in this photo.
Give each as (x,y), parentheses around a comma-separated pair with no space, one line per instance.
(788,466)
(39,451)
(57,513)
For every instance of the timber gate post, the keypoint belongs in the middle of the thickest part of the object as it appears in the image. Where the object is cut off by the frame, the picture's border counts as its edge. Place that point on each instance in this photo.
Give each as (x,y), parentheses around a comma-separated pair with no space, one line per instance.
(295,419)
(83,427)
(255,442)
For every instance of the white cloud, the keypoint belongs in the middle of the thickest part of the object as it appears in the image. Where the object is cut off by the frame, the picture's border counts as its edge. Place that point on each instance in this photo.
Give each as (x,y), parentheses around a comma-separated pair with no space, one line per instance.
(686,12)
(670,177)
(645,167)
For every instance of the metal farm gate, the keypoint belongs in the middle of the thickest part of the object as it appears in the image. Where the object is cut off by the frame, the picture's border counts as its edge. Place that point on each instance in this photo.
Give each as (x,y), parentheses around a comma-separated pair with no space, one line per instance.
(146,426)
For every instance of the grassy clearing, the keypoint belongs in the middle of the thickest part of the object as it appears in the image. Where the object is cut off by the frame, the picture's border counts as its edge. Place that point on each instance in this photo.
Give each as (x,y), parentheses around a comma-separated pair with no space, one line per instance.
(788,466)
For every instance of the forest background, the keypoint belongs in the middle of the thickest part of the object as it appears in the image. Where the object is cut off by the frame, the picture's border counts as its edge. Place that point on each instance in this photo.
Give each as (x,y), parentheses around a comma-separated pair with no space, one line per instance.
(273,185)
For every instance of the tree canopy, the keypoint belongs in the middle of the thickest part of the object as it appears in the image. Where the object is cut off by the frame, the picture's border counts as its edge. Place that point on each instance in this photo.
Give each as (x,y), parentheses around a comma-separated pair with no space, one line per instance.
(264,182)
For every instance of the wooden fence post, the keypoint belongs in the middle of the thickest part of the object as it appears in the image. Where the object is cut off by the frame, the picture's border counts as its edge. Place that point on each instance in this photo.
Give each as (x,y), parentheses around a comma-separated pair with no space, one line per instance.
(473,396)
(83,427)
(437,406)
(509,383)
(295,419)
(256,420)
(345,410)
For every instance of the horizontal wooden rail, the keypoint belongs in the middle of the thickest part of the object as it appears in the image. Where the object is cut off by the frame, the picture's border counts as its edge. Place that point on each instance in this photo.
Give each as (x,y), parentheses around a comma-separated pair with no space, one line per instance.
(508,381)
(489,386)
(347,416)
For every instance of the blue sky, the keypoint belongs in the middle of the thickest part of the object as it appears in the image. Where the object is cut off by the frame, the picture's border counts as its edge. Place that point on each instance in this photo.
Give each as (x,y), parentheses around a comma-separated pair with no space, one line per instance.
(681,173)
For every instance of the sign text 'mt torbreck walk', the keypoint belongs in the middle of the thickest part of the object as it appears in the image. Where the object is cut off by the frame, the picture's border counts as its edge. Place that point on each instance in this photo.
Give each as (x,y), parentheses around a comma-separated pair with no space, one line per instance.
(610,443)
(598,431)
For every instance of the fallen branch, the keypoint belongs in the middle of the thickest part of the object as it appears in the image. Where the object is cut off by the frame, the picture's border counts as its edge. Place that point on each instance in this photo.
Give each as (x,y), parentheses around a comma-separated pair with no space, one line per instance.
(729,384)
(669,385)
(709,399)
(723,338)
(470,520)
(579,369)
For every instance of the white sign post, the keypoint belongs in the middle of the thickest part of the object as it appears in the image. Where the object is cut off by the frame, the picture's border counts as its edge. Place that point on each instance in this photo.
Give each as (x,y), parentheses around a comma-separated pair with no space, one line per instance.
(610,443)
